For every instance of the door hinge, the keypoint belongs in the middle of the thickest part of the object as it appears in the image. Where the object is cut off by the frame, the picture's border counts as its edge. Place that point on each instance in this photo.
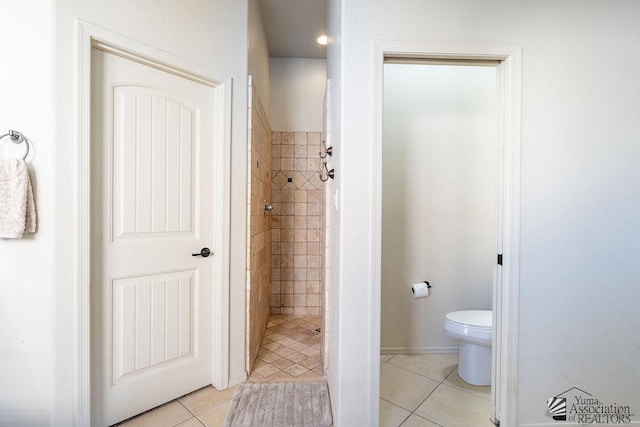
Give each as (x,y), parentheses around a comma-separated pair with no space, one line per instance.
(499,259)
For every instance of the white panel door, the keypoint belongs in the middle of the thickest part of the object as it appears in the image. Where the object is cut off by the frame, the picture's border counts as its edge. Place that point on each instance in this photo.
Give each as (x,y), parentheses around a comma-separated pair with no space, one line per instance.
(151,209)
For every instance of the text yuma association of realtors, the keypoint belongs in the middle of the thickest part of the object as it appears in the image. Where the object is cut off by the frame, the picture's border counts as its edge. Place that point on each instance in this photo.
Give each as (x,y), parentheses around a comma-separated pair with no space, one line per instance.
(590,410)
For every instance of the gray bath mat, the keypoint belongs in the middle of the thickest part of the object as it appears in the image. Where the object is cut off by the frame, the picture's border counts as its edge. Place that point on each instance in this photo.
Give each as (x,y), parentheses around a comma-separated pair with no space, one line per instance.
(280,405)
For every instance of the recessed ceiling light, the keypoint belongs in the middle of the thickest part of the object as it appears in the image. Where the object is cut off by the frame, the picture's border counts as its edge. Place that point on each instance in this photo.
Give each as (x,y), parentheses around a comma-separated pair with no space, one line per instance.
(322,39)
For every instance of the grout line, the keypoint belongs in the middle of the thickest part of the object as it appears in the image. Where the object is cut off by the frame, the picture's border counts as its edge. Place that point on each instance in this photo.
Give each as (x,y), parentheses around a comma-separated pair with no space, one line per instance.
(467,391)
(200,421)
(452,371)
(419,374)
(382,362)
(420,404)
(432,391)
(471,392)
(396,405)
(183,405)
(428,396)
(431,421)
(419,416)
(406,418)
(440,383)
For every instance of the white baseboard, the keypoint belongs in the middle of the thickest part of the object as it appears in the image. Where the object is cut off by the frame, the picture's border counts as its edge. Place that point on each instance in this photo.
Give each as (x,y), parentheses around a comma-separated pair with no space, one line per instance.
(418,350)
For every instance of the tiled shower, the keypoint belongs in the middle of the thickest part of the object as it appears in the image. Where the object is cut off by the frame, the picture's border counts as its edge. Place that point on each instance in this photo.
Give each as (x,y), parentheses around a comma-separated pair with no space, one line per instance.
(285,246)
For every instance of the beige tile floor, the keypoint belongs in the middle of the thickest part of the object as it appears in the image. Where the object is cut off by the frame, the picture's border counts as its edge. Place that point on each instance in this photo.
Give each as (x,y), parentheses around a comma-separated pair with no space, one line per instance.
(425,390)
(415,390)
(290,351)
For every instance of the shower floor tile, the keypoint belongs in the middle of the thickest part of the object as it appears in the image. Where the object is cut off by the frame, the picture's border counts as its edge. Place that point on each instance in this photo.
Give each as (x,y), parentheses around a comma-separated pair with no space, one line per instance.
(296,343)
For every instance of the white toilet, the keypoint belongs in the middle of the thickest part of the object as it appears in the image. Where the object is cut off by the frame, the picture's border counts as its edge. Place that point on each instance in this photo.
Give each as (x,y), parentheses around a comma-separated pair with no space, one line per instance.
(474,330)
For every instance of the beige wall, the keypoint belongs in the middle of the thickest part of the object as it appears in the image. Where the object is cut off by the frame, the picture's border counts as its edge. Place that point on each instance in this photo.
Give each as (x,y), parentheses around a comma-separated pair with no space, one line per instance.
(297,92)
(259,265)
(258,55)
(27,266)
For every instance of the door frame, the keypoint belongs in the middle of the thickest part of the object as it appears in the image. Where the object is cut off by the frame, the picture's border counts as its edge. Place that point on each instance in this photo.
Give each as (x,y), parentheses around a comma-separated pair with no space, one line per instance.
(90,36)
(506,281)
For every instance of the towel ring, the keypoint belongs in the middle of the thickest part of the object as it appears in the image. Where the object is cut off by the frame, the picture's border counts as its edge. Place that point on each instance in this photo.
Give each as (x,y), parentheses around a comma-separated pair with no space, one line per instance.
(17,138)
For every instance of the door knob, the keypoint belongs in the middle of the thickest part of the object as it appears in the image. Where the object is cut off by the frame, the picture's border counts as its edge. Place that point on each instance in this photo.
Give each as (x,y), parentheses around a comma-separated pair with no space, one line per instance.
(204,252)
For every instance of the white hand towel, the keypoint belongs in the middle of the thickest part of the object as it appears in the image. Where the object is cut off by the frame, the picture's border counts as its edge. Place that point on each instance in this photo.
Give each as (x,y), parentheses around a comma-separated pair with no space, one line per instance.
(17,207)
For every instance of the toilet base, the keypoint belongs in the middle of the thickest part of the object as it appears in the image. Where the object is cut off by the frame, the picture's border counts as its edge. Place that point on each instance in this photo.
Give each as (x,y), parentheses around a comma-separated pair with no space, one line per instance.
(474,364)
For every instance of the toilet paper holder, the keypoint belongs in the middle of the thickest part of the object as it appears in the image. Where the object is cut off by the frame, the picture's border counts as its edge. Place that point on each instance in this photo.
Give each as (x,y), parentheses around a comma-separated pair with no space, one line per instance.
(421,292)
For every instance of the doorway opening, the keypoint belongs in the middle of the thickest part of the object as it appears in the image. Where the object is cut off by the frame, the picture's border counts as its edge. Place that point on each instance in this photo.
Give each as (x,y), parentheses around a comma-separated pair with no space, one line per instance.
(439,225)
(285,251)
(505,60)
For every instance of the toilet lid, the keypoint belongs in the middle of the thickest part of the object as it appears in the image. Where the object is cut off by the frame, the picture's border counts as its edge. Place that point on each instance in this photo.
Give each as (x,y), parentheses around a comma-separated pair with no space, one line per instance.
(478,318)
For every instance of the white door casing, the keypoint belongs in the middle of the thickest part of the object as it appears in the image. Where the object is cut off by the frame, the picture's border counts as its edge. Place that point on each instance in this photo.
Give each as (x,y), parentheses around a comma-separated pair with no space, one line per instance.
(152,206)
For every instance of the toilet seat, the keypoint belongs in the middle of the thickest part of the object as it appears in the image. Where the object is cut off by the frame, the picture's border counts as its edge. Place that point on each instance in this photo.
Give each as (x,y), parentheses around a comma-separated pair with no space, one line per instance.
(472,325)
(479,319)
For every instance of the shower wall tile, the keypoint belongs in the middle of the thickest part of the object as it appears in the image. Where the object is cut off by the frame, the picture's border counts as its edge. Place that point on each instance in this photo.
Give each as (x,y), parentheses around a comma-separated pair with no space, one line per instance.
(295,228)
(260,232)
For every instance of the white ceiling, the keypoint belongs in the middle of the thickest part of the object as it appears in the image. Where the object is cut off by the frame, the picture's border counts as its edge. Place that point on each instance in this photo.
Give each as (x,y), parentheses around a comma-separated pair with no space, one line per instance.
(292,27)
